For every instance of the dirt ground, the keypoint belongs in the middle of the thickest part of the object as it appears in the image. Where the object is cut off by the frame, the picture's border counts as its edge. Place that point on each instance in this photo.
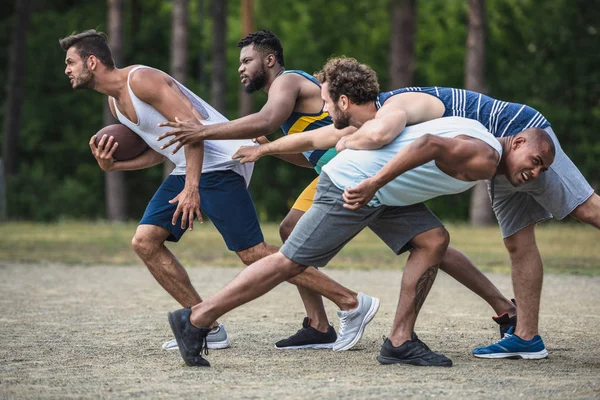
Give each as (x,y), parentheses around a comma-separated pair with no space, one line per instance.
(95,332)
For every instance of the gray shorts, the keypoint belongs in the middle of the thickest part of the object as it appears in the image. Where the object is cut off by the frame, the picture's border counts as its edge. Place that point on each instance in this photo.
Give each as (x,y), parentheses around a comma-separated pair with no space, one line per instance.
(327,226)
(555,193)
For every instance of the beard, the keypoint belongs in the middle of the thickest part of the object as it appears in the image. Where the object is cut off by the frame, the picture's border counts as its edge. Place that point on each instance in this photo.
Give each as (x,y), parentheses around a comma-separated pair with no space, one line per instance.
(85,80)
(258,82)
(342,119)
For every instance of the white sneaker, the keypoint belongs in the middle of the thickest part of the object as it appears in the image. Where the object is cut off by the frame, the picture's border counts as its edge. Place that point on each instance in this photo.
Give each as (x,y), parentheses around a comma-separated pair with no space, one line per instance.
(352,323)
(216,339)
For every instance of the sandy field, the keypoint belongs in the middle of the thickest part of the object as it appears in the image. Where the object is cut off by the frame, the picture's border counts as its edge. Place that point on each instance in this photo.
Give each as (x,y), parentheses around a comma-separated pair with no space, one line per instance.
(96,331)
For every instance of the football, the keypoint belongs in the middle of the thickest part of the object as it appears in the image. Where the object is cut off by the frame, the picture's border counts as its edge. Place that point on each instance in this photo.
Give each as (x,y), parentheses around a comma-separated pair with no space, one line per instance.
(130,144)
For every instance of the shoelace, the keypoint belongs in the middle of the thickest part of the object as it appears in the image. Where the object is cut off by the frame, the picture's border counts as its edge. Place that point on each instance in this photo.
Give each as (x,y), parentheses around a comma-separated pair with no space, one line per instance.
(342,324)
(506,336)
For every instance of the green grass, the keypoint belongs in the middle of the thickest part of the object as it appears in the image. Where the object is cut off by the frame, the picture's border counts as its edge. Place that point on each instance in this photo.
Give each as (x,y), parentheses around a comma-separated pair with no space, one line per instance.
(566,247)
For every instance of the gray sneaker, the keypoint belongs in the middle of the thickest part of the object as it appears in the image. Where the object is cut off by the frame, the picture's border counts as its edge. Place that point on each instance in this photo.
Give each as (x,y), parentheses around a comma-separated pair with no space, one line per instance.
(216,339)
(352,323)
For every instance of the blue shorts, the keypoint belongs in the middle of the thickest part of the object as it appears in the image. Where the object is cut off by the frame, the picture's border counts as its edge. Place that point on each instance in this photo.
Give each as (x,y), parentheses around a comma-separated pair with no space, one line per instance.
(224,199)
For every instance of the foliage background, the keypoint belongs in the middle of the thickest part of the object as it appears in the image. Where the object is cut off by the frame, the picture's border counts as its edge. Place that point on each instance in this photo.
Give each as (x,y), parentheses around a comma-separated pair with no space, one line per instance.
(544,54)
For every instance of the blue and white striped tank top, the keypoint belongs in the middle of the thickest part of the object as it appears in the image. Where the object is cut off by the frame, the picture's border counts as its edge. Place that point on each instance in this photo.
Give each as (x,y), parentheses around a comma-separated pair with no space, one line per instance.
(499,117)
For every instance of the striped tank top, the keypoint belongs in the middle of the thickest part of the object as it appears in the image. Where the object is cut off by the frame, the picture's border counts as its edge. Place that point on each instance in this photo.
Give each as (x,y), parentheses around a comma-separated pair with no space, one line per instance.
(500,118)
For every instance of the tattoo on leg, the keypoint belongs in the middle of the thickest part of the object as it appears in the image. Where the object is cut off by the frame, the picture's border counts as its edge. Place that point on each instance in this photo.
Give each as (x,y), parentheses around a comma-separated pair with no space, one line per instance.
(423,285)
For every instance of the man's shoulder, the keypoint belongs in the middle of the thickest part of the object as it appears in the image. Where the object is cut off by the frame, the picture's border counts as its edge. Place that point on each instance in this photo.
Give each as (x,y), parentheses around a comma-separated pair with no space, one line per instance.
(141,73)
(144,80)
(289,84)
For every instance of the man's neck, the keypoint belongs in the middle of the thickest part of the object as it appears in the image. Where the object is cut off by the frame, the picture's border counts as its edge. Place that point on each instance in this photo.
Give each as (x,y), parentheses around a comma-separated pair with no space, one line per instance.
(273,74)
(111,82)
(363,113)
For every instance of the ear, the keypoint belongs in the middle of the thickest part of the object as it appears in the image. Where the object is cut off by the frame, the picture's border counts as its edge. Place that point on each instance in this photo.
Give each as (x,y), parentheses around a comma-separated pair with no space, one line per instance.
(519,141)
(344,102)
(271,61)
(92,62)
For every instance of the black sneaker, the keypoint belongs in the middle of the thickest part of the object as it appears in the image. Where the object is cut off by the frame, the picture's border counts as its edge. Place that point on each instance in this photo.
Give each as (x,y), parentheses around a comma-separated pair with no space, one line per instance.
(191,340)
(308,338)
(505,322)
(413,352)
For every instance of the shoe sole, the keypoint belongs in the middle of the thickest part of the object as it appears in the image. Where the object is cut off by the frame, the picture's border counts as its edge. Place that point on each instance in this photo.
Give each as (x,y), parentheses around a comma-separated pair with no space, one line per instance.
(177,333)
(537,355)
(418,362)
(211,346)
(370,314)
(307,346)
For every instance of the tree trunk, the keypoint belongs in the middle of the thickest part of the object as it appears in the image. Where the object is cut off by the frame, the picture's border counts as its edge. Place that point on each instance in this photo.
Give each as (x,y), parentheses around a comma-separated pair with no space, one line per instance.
(199,39)
(402,61)
(114,183)
(219,62)
(246,106)
(14,87)
(179,52)
(480,210)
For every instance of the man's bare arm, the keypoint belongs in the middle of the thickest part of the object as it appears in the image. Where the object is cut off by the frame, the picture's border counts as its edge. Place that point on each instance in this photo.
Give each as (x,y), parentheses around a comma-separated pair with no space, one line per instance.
(283,95)
(463,158)
(323,138)
(390,120)
(107,147)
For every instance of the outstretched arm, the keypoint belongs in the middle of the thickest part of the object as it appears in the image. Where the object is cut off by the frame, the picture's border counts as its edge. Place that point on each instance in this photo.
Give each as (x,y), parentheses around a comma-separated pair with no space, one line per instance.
(318,139)
(461,157)
(390,120)
(283,95)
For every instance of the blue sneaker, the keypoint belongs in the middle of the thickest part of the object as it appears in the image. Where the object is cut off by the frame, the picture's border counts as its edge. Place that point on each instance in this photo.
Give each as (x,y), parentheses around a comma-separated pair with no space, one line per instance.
(512,346)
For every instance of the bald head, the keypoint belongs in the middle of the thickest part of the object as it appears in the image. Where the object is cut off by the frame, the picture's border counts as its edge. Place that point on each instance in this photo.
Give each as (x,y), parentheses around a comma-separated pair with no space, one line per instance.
(526,155)
(540,139)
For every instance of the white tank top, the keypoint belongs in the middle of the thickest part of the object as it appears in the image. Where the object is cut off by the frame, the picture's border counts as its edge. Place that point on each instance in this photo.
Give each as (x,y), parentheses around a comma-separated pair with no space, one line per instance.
(351,167)
(217,153)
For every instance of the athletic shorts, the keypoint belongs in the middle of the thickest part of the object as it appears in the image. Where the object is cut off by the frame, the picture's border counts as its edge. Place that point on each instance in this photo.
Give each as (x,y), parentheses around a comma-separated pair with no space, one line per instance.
(555,193)
(327,226)
(224,199)
(305,200)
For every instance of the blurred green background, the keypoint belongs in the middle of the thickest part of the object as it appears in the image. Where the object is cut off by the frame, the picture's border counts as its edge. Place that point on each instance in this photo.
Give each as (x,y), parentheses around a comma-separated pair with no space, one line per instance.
(545,54)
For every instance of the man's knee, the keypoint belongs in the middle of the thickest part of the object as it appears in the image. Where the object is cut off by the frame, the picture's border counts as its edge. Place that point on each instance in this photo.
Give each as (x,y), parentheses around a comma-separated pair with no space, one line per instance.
(521,242)
(144,245)
(290,267)
(435,240)
(254,253)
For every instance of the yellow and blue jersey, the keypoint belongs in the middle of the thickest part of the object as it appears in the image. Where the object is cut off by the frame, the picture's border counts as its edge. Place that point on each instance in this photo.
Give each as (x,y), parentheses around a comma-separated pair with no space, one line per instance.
(301,122)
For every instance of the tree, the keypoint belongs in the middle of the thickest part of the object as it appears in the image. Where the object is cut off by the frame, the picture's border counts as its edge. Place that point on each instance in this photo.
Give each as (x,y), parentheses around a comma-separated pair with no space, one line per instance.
(14,87)
(114,182)
(480,209)
(247,27)
(402,61)
(179,52)
(219,59)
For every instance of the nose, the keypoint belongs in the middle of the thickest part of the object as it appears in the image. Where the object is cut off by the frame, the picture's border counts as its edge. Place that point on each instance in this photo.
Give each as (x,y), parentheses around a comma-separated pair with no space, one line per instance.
(241,68)
(325,108)
(536,172)
(67,71)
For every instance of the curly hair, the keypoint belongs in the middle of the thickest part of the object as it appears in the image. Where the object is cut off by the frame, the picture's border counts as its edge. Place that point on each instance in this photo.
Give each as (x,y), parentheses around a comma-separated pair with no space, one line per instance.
(346,76)
(264,41)
(88,43)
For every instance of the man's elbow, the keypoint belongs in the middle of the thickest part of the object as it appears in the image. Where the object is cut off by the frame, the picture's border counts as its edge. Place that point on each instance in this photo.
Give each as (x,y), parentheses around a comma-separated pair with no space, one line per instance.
(266,124)
(381,139)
